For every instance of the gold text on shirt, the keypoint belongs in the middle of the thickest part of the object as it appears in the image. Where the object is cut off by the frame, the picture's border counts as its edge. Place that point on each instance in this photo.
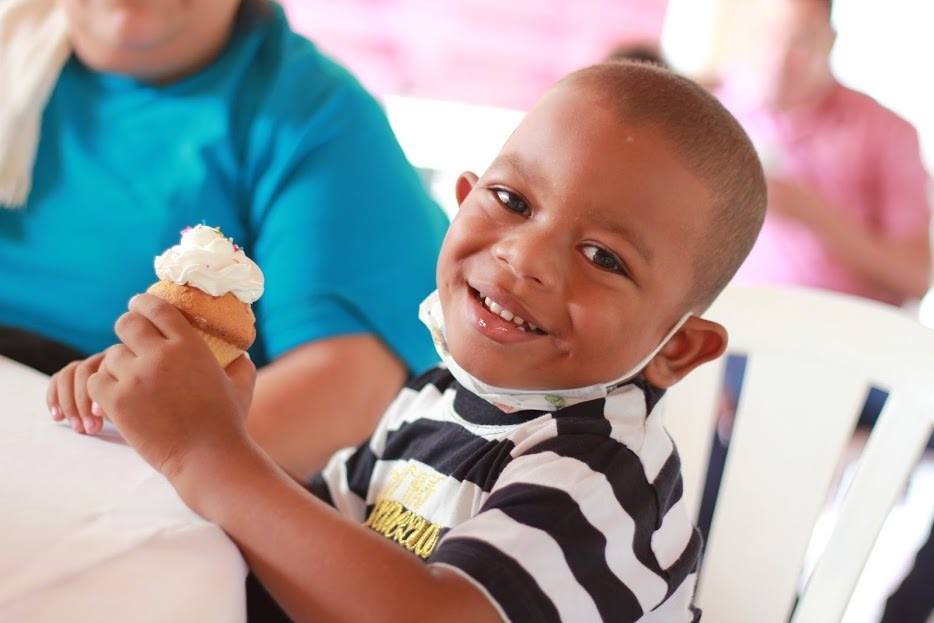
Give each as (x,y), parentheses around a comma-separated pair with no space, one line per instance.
(413,532)
(411,485)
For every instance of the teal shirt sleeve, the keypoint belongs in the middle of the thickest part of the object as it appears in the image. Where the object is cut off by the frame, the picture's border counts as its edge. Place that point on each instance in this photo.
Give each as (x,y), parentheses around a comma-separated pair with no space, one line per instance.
(344,230)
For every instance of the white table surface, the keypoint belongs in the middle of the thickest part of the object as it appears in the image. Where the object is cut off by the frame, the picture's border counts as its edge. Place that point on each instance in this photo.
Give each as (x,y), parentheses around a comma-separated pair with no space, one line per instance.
(90,532)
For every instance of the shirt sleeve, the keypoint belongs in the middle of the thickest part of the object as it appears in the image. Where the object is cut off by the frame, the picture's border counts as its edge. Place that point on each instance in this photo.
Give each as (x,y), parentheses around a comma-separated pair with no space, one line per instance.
(904,210)
(566,535)
(344,230)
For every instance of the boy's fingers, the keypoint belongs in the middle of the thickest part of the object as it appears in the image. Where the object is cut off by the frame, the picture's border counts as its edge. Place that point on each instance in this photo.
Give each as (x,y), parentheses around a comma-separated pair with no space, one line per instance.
(117,359)
(242,373)
(51,397)
(77,425)
(65,382)
(82,398)
(100,386)
(136,331)
(166,318)
(93,425)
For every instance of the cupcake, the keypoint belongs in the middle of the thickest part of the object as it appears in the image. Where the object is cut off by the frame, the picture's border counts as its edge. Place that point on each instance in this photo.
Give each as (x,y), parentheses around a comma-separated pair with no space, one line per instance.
(213,283)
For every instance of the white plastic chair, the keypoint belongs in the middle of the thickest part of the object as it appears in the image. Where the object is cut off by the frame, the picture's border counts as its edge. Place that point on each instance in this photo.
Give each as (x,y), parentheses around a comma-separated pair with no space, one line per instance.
(812,356)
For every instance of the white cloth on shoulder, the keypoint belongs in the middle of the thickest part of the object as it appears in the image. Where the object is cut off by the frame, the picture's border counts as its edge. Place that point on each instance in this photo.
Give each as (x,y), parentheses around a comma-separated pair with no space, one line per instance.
(34,46)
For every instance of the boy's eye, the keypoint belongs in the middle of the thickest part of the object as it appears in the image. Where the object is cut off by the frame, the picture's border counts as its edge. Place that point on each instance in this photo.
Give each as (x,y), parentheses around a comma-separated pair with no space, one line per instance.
(602,258)
(511,201)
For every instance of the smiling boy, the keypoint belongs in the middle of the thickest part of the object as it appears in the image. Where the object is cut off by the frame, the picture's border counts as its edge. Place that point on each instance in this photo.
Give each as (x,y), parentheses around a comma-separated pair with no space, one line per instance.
(531,472)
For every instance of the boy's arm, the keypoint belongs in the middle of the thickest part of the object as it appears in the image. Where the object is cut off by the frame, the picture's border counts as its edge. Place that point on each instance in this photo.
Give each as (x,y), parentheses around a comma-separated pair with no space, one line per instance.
(316,564)
(185,415)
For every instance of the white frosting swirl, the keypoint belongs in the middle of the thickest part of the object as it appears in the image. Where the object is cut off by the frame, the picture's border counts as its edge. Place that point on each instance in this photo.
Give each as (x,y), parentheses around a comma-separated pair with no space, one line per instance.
(206,260)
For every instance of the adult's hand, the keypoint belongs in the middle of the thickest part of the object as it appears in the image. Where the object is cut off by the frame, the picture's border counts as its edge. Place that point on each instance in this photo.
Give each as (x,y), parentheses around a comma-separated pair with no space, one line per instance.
(796,202)
(322,397)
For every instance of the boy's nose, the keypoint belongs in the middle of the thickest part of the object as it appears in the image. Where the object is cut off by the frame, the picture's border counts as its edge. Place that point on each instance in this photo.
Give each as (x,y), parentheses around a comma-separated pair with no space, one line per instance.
(534,257)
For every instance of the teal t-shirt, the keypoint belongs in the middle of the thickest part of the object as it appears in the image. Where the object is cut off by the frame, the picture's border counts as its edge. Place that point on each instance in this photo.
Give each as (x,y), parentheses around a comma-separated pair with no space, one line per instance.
(275,144)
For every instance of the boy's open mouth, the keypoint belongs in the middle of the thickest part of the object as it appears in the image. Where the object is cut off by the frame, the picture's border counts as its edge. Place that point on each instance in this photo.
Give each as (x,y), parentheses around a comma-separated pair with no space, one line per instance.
(509,319)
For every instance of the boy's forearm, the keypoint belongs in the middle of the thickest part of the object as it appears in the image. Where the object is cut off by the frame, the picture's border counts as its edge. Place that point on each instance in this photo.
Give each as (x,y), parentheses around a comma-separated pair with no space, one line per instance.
(315,563)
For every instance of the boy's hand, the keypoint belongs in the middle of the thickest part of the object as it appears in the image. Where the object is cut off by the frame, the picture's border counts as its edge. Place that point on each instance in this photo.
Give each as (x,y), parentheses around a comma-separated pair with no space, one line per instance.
(165,392)
(67,396)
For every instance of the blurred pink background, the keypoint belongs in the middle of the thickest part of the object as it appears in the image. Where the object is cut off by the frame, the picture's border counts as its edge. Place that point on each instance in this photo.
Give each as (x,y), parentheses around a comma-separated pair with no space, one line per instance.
(494,52)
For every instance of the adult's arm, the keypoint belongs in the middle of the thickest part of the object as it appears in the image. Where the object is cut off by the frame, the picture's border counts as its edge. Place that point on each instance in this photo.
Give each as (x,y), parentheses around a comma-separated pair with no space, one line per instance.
(892,251)
(901,265)
(321,397)
(347,238)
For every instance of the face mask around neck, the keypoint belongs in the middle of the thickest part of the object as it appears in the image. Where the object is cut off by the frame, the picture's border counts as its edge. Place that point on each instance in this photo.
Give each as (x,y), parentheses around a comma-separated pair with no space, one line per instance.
(511,400)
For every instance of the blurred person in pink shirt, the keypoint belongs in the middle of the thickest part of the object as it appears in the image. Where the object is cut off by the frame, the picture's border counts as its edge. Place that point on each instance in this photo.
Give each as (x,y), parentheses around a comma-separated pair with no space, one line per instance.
(848,206)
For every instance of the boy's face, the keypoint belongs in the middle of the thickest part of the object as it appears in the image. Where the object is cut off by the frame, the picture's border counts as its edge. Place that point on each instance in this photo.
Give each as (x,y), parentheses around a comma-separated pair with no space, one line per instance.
(584,226)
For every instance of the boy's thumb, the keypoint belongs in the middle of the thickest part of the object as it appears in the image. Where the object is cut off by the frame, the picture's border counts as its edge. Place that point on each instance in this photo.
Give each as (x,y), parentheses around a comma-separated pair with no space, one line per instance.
(242,373)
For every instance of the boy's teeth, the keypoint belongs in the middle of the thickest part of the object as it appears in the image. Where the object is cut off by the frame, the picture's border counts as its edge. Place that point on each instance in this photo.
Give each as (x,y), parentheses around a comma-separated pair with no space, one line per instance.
(507,315)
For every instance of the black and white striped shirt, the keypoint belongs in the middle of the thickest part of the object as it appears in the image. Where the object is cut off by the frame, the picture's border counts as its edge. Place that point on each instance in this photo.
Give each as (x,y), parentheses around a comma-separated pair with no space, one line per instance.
(573,515)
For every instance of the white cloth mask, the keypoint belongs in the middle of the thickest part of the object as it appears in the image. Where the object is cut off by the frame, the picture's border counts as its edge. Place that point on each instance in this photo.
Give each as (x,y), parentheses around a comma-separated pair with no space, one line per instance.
(511,400)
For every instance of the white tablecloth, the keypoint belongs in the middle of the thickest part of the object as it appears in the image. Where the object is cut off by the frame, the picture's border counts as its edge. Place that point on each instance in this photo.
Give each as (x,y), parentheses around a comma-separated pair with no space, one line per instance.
(89,532)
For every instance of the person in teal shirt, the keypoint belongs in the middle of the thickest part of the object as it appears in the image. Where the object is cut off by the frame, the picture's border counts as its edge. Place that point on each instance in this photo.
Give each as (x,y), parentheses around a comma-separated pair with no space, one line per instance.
(216,112)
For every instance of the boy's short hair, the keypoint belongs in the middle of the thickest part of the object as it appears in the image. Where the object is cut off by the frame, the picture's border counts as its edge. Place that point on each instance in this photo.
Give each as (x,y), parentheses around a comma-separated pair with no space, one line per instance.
(714,145)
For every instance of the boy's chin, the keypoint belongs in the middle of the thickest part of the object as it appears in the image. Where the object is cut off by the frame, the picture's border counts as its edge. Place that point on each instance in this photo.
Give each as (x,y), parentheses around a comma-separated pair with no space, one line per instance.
(493,368)
(490,367)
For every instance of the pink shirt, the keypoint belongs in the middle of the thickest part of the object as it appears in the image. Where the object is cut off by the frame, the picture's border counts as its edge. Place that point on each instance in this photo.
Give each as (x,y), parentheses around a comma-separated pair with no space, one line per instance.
(865,161)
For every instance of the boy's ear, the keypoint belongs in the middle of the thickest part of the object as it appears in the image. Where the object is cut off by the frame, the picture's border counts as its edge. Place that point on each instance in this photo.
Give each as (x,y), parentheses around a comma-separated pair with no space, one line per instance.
(697,342)
(465,184)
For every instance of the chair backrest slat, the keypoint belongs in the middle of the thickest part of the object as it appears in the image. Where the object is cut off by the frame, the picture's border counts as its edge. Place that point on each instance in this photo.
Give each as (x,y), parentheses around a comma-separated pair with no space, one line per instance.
(792,426)
(890,454)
